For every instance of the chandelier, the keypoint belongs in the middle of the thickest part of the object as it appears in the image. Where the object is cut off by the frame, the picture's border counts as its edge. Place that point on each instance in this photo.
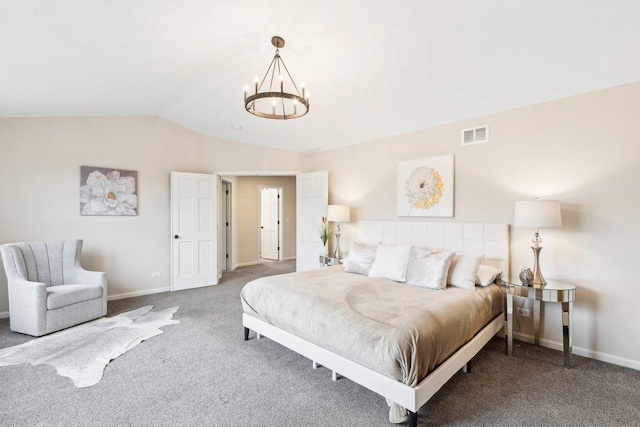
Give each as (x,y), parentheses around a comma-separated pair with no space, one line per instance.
(284,101)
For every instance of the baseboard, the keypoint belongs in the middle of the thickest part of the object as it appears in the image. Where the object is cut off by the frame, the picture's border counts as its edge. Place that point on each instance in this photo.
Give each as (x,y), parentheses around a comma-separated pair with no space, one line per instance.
(585,352)
(4,314)
(138,293)
(288,258)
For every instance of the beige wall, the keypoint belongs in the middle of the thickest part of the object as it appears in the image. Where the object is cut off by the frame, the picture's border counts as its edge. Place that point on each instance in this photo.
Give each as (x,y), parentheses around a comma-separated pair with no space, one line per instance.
(40,163)
(246,216)
(582,150)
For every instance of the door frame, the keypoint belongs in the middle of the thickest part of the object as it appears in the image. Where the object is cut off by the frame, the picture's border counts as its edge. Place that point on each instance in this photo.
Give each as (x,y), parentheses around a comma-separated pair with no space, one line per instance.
(220,174)
(227,217)
(280,218)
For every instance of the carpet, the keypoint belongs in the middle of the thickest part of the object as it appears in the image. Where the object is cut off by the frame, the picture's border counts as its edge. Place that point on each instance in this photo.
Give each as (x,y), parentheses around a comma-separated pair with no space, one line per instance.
(82,352)
(203,374)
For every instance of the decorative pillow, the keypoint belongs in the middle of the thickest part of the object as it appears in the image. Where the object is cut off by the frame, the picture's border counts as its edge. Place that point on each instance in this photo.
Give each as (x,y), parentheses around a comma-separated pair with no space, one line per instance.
(360,258)
(391,262)
(429,271)
(486,275)
(418,252)
(464,269)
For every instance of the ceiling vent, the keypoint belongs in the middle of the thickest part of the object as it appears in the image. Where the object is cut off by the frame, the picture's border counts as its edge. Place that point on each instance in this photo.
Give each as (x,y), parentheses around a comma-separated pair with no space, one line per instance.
(475,135)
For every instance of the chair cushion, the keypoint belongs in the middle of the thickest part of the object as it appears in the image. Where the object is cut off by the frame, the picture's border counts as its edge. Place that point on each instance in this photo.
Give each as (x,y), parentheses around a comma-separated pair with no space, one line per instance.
(64,295)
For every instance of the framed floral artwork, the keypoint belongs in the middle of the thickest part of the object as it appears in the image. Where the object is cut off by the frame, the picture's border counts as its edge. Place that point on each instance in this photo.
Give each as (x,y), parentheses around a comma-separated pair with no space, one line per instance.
(105,191)
(425,187)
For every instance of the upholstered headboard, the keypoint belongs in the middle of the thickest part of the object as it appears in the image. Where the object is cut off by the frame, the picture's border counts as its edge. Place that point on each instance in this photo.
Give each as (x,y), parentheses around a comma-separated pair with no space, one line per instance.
(490,239)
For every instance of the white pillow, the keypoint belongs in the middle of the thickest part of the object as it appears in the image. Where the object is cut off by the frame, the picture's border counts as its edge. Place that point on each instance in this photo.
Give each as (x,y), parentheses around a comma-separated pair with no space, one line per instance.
(464,269)
(391,262)
(420,252)
(360,258)
(486,275)
(429,271)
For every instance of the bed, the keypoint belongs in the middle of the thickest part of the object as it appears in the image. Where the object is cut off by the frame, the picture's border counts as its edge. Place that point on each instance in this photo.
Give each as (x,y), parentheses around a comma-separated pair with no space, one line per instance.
(402,342)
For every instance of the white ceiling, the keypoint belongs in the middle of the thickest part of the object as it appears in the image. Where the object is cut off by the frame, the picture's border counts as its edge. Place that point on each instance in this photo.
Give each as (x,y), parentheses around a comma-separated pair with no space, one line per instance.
(373,68)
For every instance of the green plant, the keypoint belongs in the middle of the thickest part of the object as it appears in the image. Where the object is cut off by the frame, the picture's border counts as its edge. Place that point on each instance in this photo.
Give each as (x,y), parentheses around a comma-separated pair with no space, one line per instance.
(325,230)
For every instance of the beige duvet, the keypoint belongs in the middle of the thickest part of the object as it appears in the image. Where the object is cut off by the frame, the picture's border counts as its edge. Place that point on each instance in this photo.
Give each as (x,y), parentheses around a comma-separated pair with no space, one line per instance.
(400,331)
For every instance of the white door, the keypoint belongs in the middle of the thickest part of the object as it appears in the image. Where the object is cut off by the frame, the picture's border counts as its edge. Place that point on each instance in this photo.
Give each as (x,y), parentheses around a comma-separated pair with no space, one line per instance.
(312,196)
(194,236)
(269,223)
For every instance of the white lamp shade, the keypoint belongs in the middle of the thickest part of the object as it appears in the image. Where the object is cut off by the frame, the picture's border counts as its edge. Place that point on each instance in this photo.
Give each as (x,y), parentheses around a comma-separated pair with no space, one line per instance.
(338,213)
(538,214)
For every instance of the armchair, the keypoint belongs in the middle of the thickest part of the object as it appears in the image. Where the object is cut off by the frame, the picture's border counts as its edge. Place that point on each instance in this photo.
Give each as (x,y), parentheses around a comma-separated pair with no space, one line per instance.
(48,289)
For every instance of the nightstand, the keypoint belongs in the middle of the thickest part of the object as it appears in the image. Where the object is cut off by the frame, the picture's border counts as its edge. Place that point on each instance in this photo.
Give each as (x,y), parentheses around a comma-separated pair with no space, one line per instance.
(553,291)
(327,260)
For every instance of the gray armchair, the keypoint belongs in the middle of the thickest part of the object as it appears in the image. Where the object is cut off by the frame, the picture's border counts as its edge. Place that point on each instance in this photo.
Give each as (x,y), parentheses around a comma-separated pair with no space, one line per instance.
(48,289)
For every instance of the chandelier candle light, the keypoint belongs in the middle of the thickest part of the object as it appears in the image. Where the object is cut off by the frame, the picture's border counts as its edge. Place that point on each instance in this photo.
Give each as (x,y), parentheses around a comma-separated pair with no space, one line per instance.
(283,105)
(338,214)
(537,214)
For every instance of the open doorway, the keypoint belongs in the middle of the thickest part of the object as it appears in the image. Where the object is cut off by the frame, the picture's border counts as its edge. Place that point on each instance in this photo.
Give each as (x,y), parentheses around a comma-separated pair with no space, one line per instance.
(245,245)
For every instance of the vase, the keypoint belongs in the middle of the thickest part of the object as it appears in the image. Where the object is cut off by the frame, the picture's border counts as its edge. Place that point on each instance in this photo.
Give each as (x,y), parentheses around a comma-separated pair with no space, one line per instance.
(526,276)
(325,249)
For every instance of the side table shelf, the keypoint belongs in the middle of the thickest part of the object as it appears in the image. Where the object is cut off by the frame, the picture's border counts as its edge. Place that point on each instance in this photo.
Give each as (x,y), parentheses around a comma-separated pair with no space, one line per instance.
(553,291)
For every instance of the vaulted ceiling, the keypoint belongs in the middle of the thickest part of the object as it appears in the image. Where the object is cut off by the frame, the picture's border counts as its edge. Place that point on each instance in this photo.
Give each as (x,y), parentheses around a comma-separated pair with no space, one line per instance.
(374,68)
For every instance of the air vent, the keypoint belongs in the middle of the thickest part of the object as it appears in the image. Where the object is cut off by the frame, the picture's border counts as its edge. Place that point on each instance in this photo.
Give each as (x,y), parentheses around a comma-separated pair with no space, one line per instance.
(475,135)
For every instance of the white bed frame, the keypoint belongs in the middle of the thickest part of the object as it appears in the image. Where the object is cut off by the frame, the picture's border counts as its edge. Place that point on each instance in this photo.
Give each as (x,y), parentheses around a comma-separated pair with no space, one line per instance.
(491,239)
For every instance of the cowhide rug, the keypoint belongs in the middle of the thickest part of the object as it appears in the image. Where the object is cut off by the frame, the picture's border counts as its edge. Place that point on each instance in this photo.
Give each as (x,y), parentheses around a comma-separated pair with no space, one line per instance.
(82,352)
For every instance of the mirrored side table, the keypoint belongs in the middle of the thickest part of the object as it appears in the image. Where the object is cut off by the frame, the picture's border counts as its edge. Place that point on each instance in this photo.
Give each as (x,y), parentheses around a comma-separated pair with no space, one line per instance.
(553,291)
(326,261)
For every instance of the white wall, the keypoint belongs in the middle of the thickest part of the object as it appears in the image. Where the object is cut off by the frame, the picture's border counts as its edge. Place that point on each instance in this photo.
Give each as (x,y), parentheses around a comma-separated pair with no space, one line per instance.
(582,150)
(40,163)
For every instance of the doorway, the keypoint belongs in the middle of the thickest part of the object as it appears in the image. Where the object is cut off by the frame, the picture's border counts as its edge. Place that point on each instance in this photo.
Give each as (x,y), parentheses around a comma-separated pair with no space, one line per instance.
(296,240)
(270,222)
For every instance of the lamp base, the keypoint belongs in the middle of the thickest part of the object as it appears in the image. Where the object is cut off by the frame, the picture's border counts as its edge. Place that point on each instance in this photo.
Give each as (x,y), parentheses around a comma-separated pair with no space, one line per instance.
(337,253)
(538,280)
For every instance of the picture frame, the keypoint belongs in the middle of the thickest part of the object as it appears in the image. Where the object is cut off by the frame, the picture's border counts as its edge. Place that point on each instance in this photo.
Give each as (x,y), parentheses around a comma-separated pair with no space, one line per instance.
(108,192)
(426,187)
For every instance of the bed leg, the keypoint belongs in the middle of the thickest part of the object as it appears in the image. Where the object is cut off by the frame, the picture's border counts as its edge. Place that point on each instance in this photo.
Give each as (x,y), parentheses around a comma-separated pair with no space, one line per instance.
(467,367)
(413,419)
(246,334)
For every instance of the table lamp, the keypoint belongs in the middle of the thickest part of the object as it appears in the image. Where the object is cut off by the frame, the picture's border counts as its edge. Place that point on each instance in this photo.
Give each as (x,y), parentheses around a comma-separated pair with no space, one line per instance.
(537,214)
(338,214)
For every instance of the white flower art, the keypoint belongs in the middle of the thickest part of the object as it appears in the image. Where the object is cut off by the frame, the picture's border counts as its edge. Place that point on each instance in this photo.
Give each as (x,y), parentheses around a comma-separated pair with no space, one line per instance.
(109,194)
(423,188)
